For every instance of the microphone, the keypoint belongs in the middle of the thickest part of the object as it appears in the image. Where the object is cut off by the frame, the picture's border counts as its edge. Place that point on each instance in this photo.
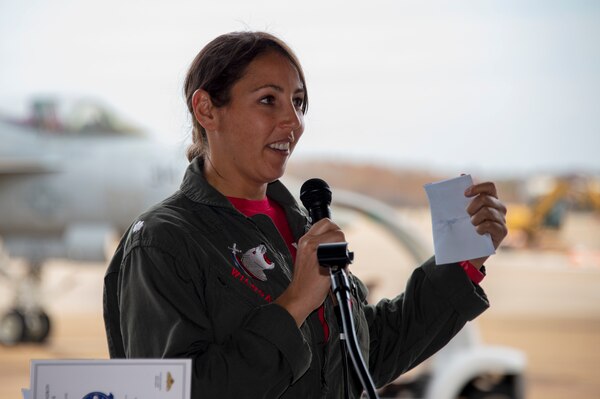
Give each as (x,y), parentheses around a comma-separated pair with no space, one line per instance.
(315,195)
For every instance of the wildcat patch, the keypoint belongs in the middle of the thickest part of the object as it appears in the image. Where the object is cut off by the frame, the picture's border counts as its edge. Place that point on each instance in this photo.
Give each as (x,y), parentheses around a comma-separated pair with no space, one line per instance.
(252,262)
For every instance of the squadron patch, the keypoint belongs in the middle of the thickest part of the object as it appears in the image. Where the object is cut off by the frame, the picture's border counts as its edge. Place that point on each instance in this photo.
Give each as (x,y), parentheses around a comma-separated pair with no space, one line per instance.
(253,262)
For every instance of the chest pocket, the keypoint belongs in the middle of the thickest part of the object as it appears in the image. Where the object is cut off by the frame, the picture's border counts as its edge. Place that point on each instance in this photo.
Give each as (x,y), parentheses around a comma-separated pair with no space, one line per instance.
(230,296)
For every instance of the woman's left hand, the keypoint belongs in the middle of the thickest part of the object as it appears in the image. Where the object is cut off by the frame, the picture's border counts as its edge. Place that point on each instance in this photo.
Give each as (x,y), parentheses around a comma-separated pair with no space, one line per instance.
(488,214)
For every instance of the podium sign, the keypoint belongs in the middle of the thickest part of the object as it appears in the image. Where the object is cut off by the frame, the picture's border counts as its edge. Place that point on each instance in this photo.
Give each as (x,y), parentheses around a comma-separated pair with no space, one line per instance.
(110,379)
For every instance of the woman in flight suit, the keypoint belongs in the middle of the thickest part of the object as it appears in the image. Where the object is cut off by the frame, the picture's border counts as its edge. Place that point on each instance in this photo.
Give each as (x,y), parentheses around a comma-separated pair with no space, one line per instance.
(225,270)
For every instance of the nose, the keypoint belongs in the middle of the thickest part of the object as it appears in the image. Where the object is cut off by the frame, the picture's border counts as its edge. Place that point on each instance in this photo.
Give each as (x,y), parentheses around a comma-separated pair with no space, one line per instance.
(292,118)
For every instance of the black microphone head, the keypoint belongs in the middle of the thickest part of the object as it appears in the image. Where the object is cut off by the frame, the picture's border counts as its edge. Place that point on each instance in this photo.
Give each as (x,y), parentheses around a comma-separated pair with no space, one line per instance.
(315,195)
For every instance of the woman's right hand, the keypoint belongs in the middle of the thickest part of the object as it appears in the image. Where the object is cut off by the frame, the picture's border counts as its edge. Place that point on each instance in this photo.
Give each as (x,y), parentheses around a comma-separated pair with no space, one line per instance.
(311,282)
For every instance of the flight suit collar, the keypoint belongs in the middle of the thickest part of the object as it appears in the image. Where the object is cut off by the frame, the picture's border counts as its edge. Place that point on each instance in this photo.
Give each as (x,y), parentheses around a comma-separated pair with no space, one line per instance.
(196,188)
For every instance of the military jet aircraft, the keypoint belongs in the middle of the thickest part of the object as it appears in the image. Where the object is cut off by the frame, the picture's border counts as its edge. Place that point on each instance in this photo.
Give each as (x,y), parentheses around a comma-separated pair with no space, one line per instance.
(72,175)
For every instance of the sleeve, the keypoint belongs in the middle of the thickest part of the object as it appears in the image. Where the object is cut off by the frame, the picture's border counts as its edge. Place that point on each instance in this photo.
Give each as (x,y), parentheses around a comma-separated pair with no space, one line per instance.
(404,331)
(161,317)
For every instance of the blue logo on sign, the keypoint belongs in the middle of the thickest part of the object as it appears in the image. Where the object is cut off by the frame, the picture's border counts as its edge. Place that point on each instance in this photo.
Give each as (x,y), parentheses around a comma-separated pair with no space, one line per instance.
(98,395)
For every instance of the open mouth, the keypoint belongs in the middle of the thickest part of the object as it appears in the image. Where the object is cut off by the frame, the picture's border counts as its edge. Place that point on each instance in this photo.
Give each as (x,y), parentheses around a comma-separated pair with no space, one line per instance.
(267,259)
(280,146)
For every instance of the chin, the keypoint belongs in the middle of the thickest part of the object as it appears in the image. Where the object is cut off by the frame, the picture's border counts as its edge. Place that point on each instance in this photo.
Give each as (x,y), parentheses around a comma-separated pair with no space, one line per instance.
(276,175)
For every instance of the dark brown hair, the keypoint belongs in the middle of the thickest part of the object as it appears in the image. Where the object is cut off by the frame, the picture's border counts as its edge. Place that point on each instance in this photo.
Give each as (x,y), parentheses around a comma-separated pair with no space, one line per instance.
(220,64)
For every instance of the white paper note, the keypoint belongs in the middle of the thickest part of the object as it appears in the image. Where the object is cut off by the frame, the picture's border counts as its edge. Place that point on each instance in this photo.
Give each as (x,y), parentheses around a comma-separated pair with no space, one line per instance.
(454,236)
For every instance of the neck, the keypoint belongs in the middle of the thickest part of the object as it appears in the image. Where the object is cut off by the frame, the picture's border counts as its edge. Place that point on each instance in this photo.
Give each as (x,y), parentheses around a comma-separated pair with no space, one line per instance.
(233,187)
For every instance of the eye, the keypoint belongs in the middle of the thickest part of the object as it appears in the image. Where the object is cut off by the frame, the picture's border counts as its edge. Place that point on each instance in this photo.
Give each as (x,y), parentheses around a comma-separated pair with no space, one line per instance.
(298,102)
(268,100)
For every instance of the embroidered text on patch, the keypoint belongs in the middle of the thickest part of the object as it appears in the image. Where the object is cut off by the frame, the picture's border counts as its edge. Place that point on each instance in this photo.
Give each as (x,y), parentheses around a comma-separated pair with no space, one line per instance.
(246,281)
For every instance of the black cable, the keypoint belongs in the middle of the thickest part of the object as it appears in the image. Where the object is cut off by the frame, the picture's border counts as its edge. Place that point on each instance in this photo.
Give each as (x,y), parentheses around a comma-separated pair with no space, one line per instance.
(341,288)
(344,352)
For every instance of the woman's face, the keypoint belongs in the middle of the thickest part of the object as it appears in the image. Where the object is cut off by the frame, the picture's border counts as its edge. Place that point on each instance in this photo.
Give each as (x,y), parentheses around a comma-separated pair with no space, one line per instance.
(258,129)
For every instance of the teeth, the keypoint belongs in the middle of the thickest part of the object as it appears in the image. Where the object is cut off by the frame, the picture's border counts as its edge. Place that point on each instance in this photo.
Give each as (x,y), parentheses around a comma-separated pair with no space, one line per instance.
(280,146)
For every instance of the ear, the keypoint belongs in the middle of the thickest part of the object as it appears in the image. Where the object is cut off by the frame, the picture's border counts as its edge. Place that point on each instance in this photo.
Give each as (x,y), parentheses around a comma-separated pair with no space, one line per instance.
(204,109)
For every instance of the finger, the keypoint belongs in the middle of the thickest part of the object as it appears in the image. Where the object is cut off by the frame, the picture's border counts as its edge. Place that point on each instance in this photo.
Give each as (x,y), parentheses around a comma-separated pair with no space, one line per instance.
(323,233)
(487,213)
(322,226)
(485,201)
(497,234)
(488,188)
(497,231)
(334,235)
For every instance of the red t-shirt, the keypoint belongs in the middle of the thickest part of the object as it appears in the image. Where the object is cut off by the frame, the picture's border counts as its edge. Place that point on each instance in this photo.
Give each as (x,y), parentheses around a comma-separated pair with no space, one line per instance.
(273,210)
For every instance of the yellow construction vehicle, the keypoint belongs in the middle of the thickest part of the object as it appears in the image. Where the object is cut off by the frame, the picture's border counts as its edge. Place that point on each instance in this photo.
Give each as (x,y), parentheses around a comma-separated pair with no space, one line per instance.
(547,211)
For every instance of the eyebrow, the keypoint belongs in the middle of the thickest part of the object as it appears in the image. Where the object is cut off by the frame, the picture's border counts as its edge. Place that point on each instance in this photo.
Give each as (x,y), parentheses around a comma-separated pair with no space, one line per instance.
(277,88)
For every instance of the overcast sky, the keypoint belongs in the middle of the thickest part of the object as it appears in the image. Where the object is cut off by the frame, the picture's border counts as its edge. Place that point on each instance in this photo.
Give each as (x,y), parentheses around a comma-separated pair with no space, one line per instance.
(495,87)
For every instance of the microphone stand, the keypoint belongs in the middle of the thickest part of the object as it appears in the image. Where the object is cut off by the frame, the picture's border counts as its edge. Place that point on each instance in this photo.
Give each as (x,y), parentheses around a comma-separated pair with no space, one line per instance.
(336,256)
